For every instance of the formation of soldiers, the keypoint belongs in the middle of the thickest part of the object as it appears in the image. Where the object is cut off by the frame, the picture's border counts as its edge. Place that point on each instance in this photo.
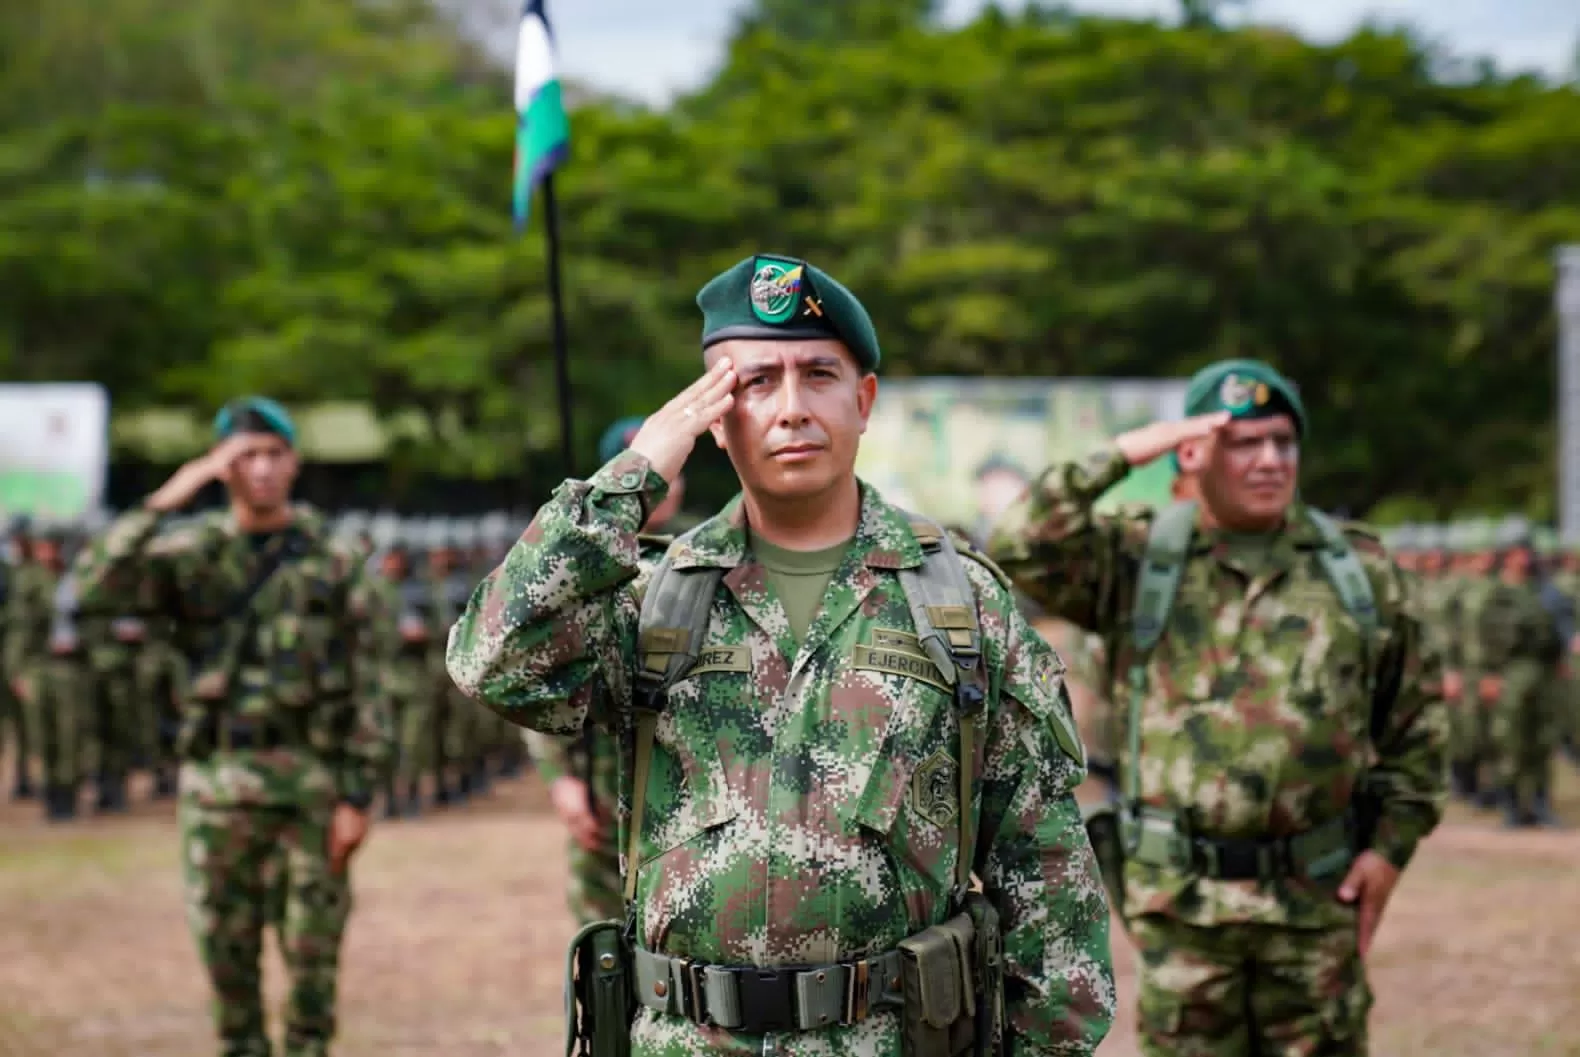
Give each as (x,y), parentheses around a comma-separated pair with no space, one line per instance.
(1500,599)
(90,699)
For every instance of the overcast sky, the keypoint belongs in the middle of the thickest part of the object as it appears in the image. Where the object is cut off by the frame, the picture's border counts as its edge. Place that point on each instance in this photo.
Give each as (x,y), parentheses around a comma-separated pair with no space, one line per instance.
(651,48)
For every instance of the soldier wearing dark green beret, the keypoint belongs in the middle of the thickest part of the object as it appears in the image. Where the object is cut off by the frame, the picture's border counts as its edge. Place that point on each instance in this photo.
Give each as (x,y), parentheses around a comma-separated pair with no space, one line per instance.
(839,719)
(1284,736)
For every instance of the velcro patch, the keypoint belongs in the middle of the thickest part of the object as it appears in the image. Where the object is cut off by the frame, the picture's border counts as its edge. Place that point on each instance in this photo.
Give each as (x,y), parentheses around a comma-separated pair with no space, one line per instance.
(723,659)
(894,639)
(898,662)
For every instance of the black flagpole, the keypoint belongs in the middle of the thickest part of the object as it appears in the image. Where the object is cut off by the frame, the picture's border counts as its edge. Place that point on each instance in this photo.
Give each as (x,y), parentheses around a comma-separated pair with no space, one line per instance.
(562,368)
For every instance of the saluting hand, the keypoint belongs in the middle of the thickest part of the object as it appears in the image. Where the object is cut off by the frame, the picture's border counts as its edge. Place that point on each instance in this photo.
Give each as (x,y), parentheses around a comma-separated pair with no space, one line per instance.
(1141,446)
(668,436)
(216,464)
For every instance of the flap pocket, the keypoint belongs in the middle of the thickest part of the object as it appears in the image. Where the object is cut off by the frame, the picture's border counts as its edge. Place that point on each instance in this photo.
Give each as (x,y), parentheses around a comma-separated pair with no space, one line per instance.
(935,973)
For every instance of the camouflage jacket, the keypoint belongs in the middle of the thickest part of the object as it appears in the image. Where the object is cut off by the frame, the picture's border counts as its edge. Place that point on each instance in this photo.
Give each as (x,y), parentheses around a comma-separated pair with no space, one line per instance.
(35,628)
(1519,639)
(794,813)
(1255,721)
(405,666)
(1470,598)
(308,660)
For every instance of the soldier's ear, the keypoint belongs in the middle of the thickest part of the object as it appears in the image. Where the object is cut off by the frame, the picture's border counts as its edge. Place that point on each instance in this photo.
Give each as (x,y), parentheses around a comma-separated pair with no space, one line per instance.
(1192,456)
(717,429)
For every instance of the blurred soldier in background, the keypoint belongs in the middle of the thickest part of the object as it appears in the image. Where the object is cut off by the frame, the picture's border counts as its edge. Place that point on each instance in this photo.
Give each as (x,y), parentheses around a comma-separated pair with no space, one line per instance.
(45,653)
(1523,646)
(14,726)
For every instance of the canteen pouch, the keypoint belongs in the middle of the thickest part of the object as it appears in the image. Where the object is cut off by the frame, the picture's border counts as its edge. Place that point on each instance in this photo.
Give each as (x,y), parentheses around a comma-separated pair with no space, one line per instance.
(1102,829)
(600,1002)
(936,969)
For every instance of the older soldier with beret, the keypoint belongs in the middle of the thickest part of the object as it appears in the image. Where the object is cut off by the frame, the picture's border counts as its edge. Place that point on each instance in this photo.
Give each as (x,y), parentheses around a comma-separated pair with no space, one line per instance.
(802,812)
(1284,735)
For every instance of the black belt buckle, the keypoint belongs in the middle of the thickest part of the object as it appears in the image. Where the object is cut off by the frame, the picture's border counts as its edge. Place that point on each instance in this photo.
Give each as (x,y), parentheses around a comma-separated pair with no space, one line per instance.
(767,1000)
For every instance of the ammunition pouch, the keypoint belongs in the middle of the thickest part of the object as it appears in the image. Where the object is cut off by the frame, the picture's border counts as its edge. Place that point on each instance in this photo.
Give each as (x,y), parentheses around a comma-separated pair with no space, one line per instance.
(599,1002)
(952,976)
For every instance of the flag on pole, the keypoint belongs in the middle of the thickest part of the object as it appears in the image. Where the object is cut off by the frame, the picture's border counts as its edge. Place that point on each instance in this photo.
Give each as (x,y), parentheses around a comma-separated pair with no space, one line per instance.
(542,135)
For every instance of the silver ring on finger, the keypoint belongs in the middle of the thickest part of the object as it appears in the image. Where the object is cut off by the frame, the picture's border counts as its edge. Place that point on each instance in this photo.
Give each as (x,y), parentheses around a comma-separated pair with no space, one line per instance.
(691,412)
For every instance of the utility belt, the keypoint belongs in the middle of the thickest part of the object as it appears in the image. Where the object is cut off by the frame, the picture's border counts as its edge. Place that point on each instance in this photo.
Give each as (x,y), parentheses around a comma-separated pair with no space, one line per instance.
(1161,838)
(946,983)
(757,1001)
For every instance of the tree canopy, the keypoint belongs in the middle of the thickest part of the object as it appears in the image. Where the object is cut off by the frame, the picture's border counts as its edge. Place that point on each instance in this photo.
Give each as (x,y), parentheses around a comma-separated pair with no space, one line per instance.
(312,198)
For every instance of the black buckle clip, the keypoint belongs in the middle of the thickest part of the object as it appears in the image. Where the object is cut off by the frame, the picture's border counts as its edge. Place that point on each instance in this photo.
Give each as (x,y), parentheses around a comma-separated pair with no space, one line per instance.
(693,992)
(768,1000)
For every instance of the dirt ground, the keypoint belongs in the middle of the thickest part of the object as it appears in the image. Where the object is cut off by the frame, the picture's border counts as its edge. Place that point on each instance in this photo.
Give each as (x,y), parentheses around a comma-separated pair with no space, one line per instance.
(456,945)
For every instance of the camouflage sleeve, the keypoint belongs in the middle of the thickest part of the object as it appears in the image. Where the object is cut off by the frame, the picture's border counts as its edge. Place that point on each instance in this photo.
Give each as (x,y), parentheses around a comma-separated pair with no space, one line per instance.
(19,623)
(1033,856)
(1412,740)
(550,755)
(366,740)
(1065,556)
(118,571)
(550,636)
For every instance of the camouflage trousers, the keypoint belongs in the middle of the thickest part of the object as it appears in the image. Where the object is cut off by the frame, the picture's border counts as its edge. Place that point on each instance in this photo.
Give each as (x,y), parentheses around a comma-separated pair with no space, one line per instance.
(60,715)
(595,892)
(118,734)
(246,867)
(15,730)
(1250,991)
(419,750)
(1525,731)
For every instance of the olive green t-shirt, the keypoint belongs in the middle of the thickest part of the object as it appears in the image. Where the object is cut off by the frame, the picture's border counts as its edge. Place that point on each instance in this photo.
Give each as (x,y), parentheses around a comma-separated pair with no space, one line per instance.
(799,578)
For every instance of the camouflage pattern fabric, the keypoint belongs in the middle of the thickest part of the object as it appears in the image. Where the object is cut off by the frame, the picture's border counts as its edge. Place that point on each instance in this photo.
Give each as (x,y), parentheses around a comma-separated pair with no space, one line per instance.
(49,661)
(594,892)
(305,665)
(1256,717)
(799,806)
(117,736)
(237,860)
(1201,987)
(1470,730)
(1519,645)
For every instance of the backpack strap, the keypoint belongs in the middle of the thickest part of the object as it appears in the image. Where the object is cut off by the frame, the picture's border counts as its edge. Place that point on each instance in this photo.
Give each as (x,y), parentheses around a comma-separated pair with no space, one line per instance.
(943,609)
(1162,566)
(670,632)
(1343,568)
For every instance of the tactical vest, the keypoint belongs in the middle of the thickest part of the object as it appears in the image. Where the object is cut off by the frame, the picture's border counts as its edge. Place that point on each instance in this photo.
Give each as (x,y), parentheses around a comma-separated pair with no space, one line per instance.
(674,625)
(1162,566)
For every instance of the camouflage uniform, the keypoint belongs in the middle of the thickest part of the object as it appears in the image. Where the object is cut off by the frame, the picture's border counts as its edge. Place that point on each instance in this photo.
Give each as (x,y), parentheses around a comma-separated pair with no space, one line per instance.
(13,714)
(454,718)
(161,673)
(1255,726)
(406,670)
(1470,720)
(114,654)
(1521,648)
(283,717)
(44,650)
(793,813)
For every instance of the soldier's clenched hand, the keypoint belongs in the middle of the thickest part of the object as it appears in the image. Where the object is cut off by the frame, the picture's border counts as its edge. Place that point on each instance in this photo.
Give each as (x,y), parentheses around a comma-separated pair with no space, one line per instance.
(215,465)
(348,828)
(668,436)
(1141,446)
(1368,886)
(574,806)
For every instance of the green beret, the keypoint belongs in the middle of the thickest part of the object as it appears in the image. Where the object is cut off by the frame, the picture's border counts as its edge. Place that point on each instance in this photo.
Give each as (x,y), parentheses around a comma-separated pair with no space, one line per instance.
(253,414)
(615,438)
(1245,389)
(779,298)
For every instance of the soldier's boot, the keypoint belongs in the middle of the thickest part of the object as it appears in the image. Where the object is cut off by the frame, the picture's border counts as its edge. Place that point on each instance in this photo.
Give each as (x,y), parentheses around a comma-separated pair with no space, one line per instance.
(1514,816)
(1542,810)
(164,783)
(60,803)
(463,786)
(112,794)
(23,787)
(510,766)
(412,805)
(443,795)
(482,779)
(1459,780)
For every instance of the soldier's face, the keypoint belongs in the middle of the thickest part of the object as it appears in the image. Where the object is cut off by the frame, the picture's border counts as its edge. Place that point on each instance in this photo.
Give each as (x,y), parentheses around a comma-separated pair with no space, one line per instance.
(800,410)
(1249,471)
(997,490)
(262,475)
(46,551)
